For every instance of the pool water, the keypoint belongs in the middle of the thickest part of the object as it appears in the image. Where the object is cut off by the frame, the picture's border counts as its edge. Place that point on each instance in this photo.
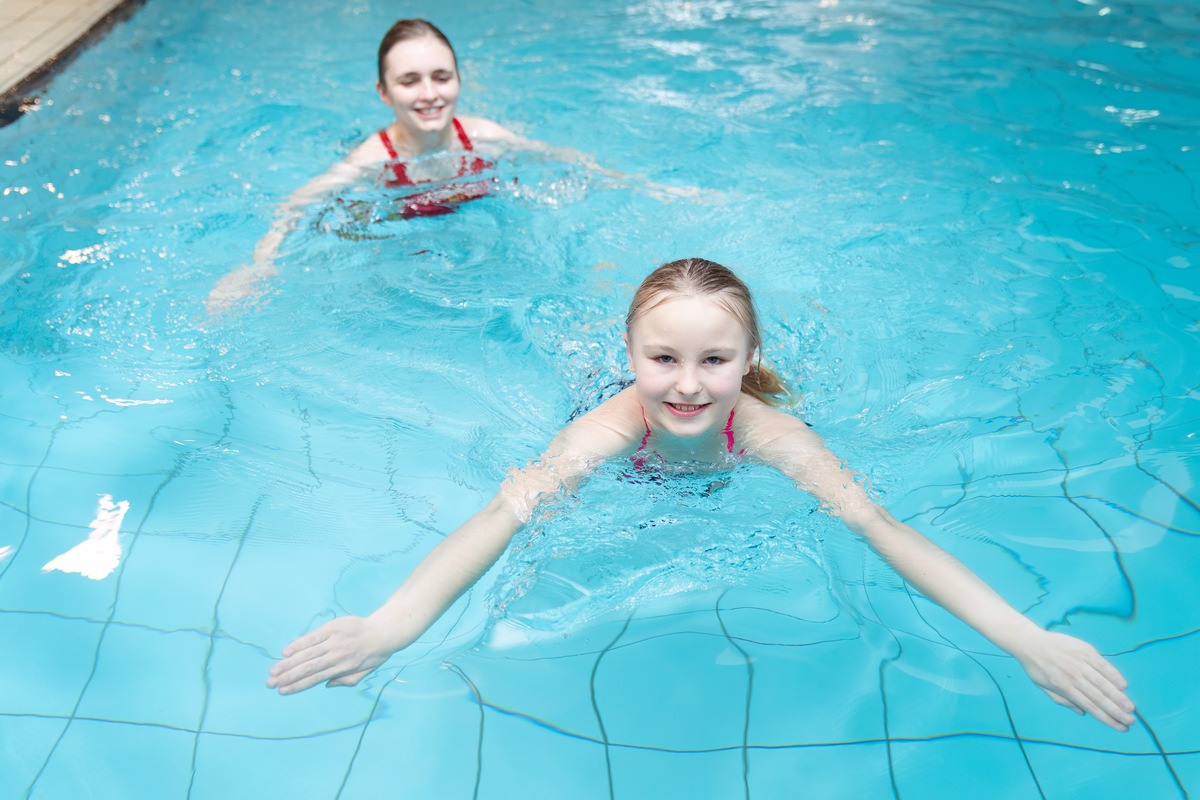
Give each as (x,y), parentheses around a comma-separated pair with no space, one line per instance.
(972,233)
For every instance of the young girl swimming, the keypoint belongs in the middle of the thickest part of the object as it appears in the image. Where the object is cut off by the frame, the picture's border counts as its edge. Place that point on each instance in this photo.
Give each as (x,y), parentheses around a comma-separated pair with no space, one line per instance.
(700,397)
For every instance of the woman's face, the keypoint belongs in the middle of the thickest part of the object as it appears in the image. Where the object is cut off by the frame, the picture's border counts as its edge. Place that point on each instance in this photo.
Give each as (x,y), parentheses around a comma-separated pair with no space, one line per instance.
(688,356)
(420,83)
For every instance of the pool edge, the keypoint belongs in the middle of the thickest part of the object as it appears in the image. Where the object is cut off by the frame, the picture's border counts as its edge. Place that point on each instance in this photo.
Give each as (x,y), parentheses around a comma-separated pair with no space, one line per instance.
(23,95)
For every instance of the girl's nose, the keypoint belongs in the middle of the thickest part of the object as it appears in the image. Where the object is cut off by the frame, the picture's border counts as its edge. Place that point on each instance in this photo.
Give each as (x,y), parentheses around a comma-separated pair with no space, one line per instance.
(426,90)
(686,382)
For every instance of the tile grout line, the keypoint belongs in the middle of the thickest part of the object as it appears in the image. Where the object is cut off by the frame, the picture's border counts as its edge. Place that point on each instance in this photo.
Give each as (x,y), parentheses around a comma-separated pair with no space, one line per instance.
(479,738)
(749,695)
(596,706)
(212,635)
(107,623)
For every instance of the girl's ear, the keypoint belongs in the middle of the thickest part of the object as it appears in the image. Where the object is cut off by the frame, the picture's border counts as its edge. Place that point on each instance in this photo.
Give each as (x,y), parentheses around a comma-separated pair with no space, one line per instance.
(749,360)
(628,353)
(382,94)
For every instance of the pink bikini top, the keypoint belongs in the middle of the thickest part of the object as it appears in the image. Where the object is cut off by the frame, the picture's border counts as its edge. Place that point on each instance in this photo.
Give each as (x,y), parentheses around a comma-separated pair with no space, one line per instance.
(640,461)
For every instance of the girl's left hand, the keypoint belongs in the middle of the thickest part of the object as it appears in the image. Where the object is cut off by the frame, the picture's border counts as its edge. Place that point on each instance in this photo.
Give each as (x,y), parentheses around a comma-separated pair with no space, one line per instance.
(1075,675)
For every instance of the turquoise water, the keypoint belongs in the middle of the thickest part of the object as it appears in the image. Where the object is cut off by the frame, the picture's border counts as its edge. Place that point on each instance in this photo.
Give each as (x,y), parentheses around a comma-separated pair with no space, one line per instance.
(972,231)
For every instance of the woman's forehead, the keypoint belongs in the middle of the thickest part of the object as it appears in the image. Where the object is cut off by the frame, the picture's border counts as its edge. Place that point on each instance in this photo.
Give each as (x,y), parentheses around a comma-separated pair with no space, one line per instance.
(418,55)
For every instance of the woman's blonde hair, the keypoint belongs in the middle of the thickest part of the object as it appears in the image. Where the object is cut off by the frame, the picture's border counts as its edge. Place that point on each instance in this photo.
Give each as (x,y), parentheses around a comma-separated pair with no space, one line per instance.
(699,277)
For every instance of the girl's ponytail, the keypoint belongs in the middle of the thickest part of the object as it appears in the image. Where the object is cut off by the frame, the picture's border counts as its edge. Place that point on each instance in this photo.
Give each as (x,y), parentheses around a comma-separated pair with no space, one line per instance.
(762,383)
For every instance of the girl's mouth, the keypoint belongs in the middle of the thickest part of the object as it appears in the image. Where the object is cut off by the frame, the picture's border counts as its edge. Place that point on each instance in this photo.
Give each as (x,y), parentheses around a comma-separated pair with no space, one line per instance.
(686,409)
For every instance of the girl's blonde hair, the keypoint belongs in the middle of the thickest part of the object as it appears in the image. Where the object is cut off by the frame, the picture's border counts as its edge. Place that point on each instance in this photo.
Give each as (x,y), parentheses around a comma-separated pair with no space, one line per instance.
(698,277)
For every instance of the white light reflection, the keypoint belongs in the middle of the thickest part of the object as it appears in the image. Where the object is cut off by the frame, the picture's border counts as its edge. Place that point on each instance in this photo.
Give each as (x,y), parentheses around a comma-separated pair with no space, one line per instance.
(98,555)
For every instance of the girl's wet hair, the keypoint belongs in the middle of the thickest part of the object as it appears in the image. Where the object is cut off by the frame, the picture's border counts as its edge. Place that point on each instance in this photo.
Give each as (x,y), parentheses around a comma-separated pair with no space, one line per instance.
(406,29)
(699,277)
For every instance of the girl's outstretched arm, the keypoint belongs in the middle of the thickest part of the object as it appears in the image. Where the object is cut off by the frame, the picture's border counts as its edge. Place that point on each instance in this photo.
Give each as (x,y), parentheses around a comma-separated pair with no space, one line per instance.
(1071,671)
(344,650)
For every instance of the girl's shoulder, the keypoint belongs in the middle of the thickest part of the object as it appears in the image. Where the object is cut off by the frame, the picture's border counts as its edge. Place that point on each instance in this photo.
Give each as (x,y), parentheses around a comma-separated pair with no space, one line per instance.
(611,428)
(767,432)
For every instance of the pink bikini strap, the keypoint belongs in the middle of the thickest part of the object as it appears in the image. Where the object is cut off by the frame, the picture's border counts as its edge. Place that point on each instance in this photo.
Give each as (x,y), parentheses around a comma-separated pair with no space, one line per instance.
(646,435)
(727,430)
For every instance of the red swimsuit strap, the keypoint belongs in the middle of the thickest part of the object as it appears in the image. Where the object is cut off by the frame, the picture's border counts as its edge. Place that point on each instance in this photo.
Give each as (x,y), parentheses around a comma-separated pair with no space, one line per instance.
(400,173)
(387,143)
(462,135)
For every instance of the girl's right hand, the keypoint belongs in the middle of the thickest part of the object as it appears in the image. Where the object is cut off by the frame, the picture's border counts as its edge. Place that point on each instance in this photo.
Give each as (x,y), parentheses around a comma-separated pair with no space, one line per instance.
(1075,675)
(339,653)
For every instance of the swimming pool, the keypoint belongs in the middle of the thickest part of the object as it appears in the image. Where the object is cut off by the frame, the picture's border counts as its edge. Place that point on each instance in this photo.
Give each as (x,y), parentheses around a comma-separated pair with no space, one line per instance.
(972,233)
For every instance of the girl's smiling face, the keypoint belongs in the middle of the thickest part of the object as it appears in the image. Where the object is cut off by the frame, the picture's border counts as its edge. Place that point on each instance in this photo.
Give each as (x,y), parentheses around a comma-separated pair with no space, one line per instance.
(688,355)
(420,83)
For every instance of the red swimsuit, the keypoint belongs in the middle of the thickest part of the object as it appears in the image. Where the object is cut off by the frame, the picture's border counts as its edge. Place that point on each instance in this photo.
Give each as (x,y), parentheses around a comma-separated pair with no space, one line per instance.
(443,199)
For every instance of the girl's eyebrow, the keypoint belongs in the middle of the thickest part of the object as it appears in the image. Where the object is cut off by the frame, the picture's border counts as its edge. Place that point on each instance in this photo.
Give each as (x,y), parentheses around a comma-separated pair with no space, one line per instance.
(666,348)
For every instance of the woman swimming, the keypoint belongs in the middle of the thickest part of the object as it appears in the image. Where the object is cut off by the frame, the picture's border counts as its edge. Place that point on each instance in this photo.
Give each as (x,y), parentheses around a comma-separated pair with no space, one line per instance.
(701,396)
(425,142)
(419,81)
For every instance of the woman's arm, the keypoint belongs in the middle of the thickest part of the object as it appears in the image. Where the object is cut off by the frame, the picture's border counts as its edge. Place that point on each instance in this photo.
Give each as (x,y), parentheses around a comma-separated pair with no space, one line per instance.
(483,130)
(1071,671)
(344,650)
(243,281)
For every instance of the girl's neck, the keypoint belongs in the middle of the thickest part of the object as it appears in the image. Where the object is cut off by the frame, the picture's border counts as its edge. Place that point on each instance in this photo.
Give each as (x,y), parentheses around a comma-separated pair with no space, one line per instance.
(711,445)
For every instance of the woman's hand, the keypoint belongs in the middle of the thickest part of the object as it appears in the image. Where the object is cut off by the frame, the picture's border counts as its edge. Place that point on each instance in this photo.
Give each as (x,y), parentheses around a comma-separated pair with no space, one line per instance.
(341,652)
(1075,675)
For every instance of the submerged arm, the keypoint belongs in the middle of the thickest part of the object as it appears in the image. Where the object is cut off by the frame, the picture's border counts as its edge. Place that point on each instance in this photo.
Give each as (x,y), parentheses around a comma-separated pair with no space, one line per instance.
(1071,671)
(344,650)
(243,281)
(485,131)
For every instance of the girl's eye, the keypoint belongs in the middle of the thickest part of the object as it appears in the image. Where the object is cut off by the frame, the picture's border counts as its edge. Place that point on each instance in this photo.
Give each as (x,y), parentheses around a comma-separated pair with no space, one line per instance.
(713,361)
(664,359)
